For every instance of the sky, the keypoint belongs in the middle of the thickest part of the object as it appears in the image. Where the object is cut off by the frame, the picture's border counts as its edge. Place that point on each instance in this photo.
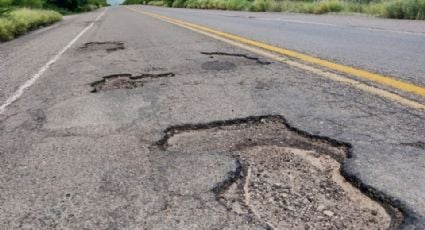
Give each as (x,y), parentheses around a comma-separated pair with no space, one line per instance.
(115,2)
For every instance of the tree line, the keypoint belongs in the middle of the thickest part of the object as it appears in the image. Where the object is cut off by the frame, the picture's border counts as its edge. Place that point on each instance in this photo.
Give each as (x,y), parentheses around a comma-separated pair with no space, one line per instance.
(67,5)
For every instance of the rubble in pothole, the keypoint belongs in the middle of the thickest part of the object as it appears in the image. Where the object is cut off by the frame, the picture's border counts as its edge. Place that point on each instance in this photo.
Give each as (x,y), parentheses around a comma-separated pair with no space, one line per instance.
(289,179)
(296,189)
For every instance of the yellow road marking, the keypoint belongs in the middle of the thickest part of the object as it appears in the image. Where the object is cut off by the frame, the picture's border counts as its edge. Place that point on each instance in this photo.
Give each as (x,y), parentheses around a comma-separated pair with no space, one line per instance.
(254,46)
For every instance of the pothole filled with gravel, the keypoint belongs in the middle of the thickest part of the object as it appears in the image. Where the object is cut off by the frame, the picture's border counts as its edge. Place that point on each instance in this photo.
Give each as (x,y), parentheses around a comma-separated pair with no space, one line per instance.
(107,46)
(125,81)
(288,179)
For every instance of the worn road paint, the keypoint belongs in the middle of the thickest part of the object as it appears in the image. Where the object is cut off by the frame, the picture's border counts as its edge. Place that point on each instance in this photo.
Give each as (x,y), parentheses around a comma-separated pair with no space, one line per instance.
(250,44)
(43,69)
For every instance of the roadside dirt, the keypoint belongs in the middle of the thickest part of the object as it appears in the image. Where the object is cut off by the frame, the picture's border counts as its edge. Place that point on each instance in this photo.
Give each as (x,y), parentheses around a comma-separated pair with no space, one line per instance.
(288,179)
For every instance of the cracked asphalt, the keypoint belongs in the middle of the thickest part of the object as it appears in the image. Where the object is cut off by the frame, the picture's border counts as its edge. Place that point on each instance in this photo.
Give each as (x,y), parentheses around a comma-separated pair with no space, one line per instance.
(73,159)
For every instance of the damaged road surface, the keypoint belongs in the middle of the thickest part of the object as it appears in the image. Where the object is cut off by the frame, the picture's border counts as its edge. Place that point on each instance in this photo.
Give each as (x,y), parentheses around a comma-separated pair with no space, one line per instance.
(107,46)
(124,81)
(287,179)
(178,130)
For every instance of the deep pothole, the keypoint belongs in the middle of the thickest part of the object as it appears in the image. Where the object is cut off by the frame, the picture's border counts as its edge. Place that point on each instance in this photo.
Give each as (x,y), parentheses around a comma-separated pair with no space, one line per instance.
(125,81)
(108,46)
(230,61)
(288,179)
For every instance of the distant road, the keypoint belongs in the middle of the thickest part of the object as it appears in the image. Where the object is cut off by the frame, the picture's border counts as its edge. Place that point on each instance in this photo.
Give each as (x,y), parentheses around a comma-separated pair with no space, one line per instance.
(387,46)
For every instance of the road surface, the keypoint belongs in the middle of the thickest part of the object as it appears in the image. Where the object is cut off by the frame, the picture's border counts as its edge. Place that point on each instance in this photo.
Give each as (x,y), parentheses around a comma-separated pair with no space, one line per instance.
(390,47)
(148,146)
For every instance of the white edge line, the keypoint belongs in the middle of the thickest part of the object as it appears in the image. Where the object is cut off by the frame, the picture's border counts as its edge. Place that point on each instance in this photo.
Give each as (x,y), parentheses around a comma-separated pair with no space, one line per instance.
(18,93)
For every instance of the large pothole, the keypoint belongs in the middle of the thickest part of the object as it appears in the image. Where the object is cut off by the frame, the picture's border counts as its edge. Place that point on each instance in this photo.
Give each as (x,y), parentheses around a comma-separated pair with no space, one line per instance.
(107,46)
(289,179)
(124,81)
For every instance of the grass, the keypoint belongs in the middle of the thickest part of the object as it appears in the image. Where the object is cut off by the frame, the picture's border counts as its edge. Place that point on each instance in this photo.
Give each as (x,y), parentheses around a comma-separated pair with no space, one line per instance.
(19,21)
(405,9)
(401,9)
(156,3)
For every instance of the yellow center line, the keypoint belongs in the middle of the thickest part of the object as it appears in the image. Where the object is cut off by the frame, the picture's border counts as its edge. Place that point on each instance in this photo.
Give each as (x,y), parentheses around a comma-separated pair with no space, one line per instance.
(249,44)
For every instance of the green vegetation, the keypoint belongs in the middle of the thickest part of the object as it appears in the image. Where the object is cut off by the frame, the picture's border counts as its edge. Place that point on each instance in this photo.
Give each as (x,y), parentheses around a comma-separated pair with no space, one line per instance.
(409,9)
(73,5)
(19,16)
(401,9)
(19,21)
(66,6)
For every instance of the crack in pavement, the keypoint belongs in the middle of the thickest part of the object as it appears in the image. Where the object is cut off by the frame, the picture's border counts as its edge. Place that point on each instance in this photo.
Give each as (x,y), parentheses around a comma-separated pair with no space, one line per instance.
(257,60)
(417,144)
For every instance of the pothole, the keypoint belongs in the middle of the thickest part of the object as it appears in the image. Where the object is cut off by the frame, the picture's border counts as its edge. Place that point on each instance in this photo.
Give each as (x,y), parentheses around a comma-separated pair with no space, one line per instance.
(124,81)
(238,55)
(108,46)
(288,179)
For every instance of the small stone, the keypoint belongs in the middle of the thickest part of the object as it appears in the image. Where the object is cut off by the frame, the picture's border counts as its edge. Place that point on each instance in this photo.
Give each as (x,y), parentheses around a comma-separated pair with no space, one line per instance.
(328,213)
(374,212)
(320,207)
(278,185)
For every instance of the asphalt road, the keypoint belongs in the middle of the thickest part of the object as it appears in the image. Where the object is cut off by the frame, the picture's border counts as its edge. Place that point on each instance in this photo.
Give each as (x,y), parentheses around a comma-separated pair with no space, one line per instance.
(391,47)
(71,158)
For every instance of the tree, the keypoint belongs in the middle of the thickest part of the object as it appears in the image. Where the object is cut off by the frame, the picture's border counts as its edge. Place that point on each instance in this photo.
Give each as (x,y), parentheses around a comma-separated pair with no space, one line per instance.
(28,3)
(76,5)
